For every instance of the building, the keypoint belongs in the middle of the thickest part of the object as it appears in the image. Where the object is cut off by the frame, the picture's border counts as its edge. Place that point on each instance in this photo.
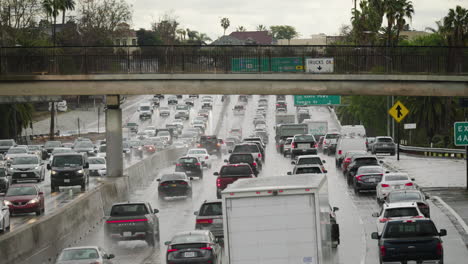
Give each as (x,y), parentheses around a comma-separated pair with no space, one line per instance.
(318,39)
(413,34)
(124,36)
(246,38)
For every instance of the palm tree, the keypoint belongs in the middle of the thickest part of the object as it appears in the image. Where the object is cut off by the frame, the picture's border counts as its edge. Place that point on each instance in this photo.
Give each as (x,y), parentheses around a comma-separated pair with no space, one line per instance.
(395,12)
(202,38)
(225,23)
(406,10)
(52,8)
(182,33)
(261,28)
(241,29)
(456,24)
(65,6)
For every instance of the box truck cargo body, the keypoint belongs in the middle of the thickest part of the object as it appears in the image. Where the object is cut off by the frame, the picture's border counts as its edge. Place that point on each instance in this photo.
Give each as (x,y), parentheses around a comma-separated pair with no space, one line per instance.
(277,220)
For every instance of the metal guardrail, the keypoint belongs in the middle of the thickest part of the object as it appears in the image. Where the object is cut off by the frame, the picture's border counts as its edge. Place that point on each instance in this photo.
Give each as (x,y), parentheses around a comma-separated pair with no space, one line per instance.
(231,59)
(434,152)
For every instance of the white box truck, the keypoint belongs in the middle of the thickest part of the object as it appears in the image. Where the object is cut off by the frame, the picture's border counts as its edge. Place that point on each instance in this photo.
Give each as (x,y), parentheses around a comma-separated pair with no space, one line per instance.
(316,128)
(277,220)
(284,119)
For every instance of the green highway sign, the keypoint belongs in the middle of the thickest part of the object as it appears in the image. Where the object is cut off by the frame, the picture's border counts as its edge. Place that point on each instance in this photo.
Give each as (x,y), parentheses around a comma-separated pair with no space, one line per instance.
(461,133)
(275,64)
(301,100)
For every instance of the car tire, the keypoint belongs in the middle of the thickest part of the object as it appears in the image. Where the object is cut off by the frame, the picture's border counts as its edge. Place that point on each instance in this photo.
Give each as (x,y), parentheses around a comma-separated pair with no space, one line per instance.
(200,176)
(356,190)
(83,187)
(53,188)
(151,240)
(14,181)
(392,154)
(218,194)
(38,212)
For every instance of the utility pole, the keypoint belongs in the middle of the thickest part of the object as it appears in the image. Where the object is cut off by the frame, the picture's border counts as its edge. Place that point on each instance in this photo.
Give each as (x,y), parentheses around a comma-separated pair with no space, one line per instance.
(52,121)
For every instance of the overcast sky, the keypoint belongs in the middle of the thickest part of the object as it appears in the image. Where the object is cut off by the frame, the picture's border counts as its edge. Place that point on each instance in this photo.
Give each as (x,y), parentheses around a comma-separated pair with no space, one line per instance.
(307,16)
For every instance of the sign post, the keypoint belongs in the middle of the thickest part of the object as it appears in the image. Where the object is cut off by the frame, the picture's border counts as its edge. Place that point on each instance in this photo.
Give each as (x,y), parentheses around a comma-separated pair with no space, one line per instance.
(410,126)
(398,111)
(460,130)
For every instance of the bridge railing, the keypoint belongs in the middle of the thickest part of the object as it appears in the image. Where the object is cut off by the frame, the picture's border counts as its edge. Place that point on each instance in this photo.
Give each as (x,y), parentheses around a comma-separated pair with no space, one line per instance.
(231,59)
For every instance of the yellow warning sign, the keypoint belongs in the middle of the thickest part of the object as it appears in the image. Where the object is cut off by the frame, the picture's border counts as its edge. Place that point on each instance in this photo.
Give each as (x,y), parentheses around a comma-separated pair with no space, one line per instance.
(398,111)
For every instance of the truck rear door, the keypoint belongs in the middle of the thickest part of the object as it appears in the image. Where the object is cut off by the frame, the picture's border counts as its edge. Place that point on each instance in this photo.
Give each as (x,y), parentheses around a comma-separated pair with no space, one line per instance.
(272,230)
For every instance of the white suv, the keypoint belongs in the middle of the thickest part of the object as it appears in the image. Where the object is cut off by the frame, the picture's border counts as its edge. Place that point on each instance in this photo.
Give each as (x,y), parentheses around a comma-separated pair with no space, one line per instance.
(397,211)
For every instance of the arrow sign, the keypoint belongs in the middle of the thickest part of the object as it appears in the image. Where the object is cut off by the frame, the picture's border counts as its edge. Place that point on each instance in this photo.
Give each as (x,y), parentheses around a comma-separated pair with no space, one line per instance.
(319,68)
(398,111)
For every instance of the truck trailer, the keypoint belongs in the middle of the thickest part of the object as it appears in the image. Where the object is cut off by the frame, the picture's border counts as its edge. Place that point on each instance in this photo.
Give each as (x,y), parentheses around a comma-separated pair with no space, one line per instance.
(278,220)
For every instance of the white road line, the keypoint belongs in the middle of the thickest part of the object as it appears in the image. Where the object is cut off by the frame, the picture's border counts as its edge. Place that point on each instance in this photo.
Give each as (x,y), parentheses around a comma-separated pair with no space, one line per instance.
(455,214)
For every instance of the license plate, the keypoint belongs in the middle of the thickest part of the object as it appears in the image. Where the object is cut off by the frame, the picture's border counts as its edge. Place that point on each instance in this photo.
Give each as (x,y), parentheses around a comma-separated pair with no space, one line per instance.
(24,175)
(127,234)
(303,146)
(188,171)
(190,254)
(397,187)
(66,180)
(173,185)
(372,180)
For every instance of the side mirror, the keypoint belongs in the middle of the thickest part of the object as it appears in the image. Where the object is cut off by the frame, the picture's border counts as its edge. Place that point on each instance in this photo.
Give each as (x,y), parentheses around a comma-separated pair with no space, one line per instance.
(48,166)
(95,151)
(381,161)
(216,174)
(195,213)
(41,193)
(293,162)
(230,151)
(155,211)
(427,197)
(323,161)
(375,235)
(375,214)
(443,232)
(289,173)
(167,243)
(158,180)
(325,171)
(86,166)
(191,178)
(413,179)
(226,160)
(335,209)
(111,256)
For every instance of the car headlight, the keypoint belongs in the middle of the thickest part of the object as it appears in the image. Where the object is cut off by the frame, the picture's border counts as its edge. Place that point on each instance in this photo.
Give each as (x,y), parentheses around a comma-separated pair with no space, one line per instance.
(37,168)
(33,201)
(6,202)
(80,171)
(53,172)
(140,148)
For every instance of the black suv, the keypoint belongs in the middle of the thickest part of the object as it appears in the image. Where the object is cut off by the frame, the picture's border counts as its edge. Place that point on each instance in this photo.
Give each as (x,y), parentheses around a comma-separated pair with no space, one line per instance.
(303,144)
(69,169)
(211,144)
(236,158)
(4,180)
(412,239)
(190,165)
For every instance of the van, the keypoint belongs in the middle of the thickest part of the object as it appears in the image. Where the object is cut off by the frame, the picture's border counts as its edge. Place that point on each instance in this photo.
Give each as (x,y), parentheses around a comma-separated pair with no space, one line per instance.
(69,169)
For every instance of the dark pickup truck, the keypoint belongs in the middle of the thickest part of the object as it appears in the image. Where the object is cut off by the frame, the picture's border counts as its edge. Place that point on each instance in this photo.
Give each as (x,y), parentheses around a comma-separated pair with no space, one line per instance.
(211,144)
(230,173)
(410,240)
(132,221)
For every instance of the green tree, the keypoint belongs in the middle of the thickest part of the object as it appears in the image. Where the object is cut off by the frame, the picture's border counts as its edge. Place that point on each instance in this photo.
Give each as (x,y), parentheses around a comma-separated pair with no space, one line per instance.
(284,32)
(395,12)
(14,118)
(456,26)
(406,10)
(261,28)
(241,29)
(52,8)
(147,37)
(166,28)
(225,23)
(66,5)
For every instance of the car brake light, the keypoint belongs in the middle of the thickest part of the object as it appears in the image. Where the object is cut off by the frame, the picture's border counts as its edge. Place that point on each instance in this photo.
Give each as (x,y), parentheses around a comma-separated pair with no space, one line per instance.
(183,183)
(358,178)
(439,248)
(218,145)
(259,155)
(418,216)
(254,164)
(384,185)
(347,160)
(204,221)
(198,163)
(207,248)
(206,157)
(383,220)
(218,182)
(339,152)
(383,251)
(409,184)
(178,164)
(171,250)
(163,184)
(199,145)
(294,145)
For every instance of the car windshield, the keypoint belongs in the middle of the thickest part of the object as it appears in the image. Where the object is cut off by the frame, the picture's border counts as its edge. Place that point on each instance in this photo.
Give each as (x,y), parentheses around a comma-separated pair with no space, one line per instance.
(97,161)
(408,229)
(6,143)
(186,241)
(134,143)
(67,161)
(129,210)
(17,151)
(131,124)
(228,171)
(62,150)
(239,107)
(79,254)
(144,108)
(331,136)
(208,139)
(52,144)
(241,159)
(188,160)
(34,147)
(211,209)
(163,134)
(84,144)
(20,191)
(173,177)
(308,170)
(246,148)
(400,212)
(25,160)
(366,161)
(396,178)
(403,196)
(385,140)
(196,151)
(314,160)
(365,170)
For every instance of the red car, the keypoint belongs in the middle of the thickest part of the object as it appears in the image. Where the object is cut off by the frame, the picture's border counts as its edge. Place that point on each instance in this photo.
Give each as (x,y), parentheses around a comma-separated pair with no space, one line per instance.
(25,198)
(230,173)
(149,148)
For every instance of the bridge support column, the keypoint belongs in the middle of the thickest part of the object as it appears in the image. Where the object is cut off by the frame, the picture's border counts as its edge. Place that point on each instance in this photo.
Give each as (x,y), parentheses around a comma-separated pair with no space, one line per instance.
(114,149)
